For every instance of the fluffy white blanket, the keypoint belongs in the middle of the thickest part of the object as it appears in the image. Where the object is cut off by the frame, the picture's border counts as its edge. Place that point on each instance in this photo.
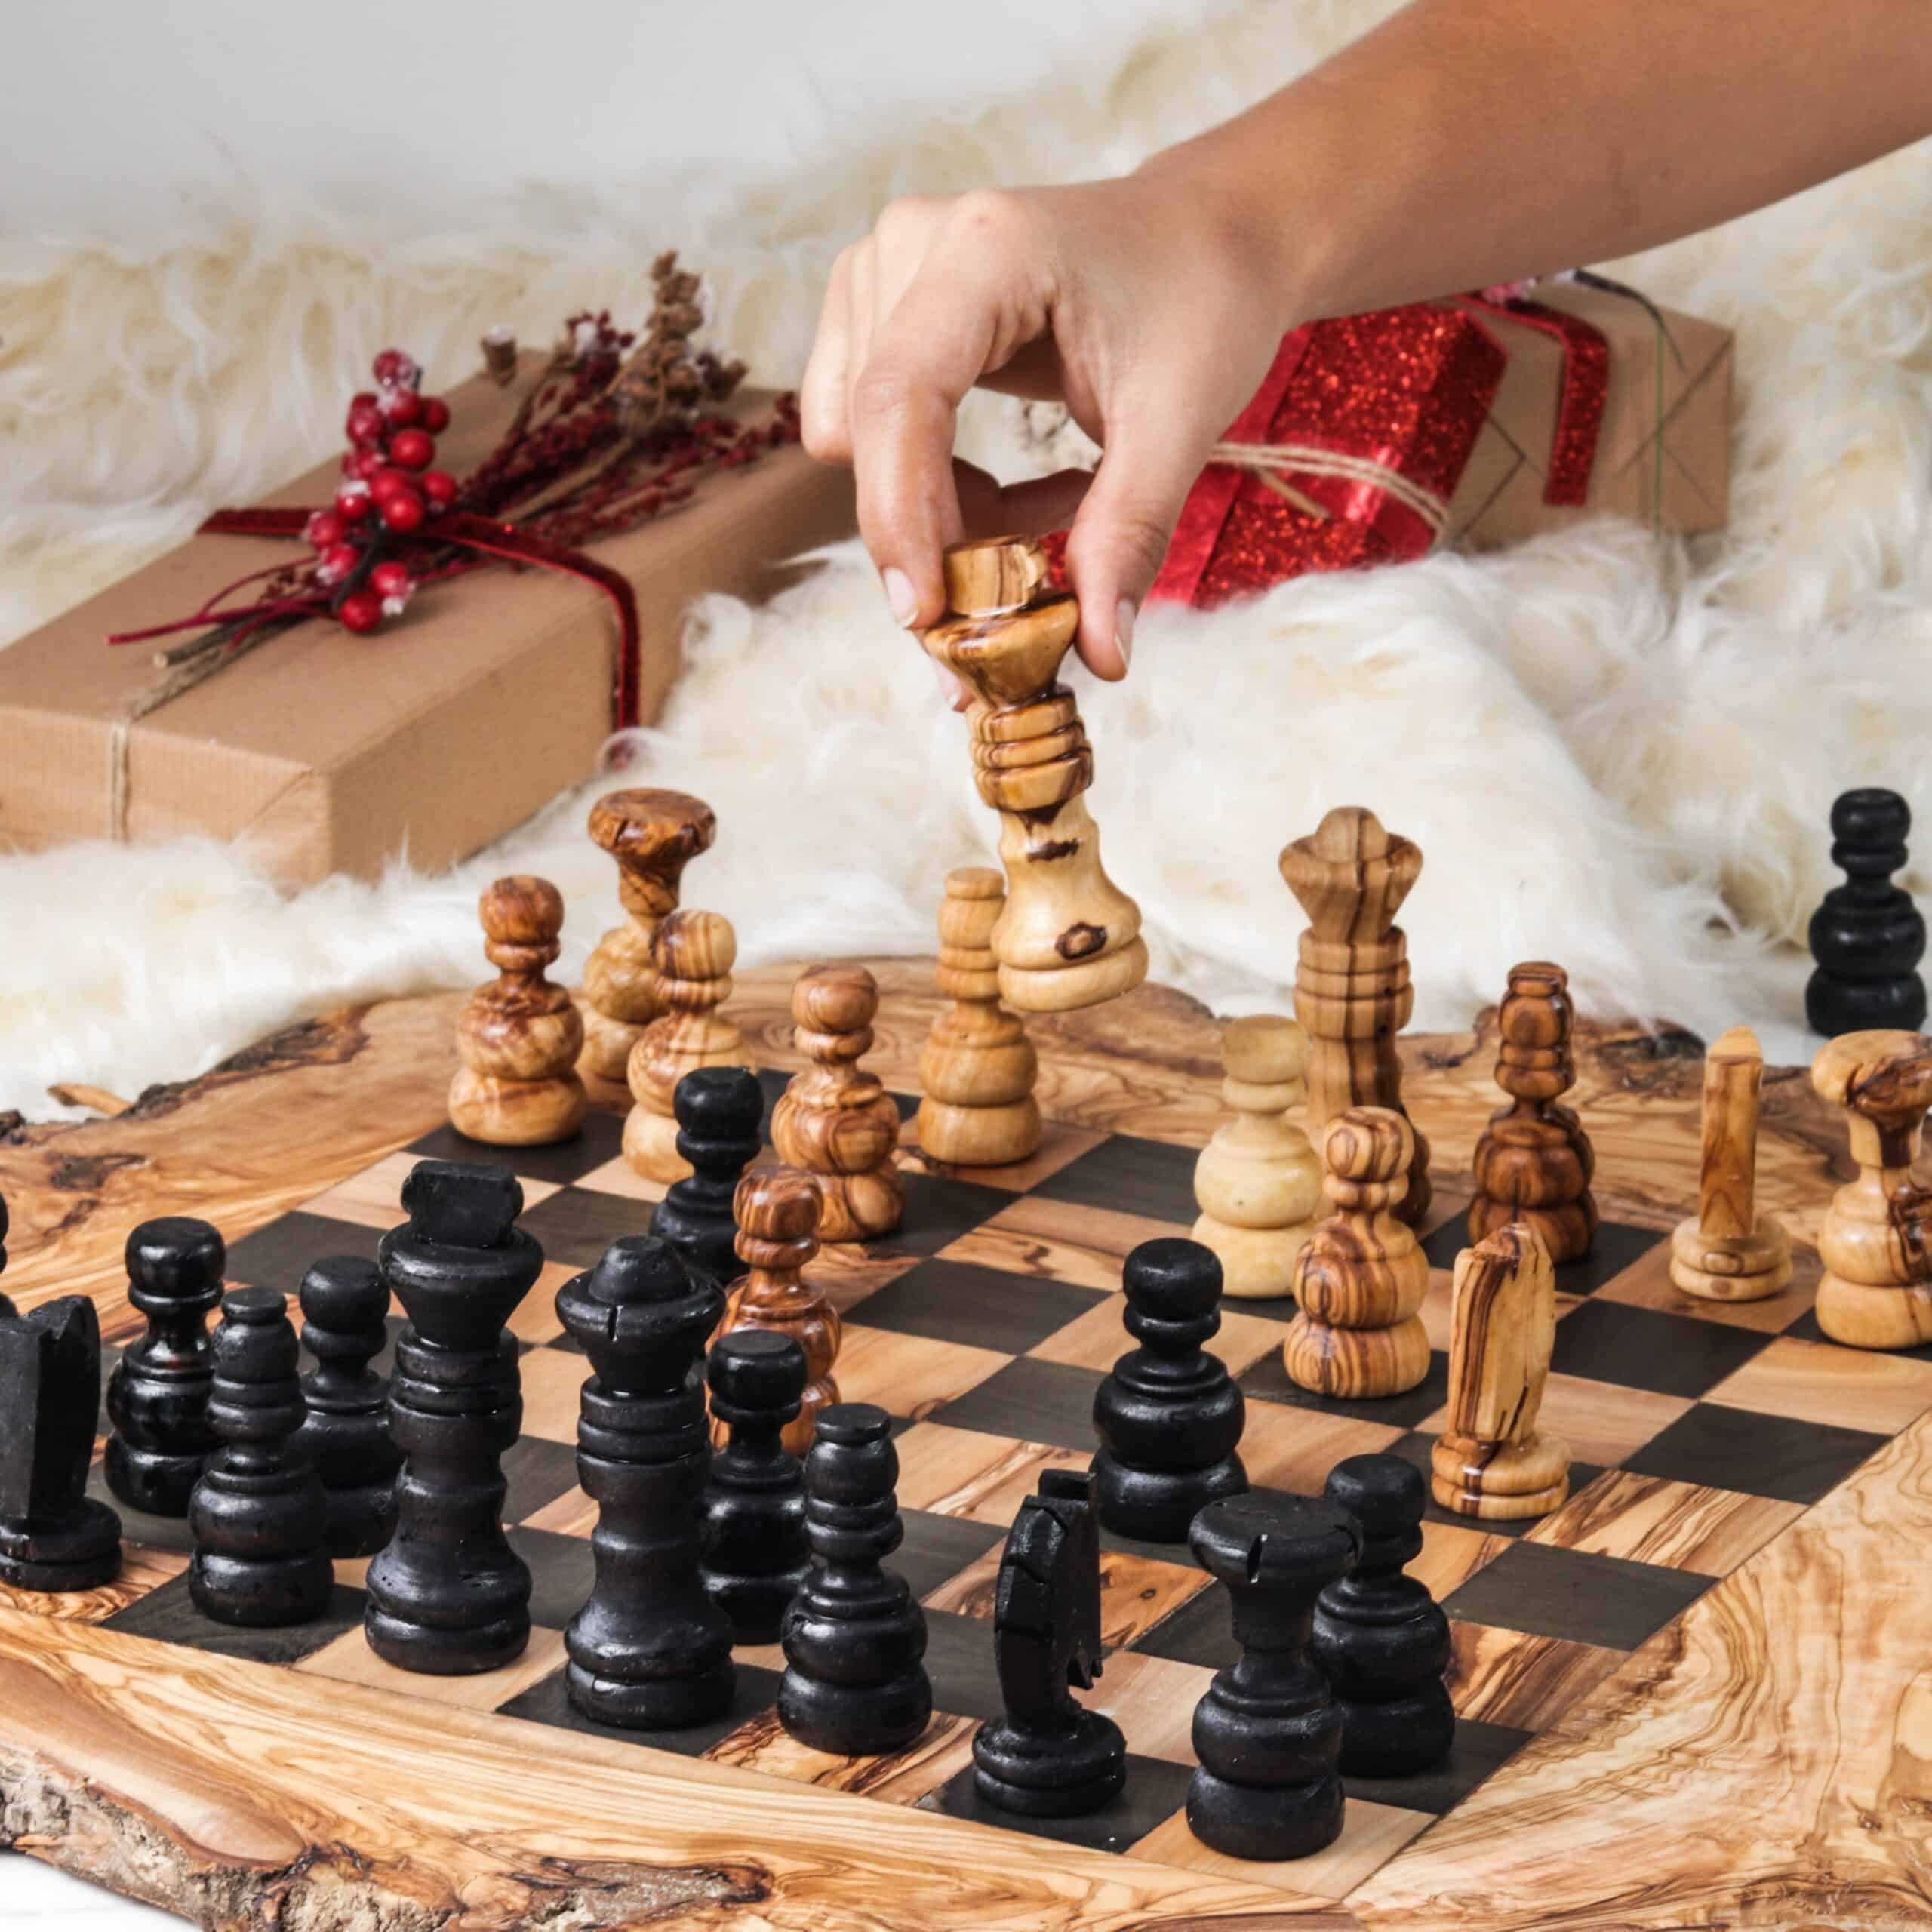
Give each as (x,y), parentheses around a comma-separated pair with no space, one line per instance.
(1615,752)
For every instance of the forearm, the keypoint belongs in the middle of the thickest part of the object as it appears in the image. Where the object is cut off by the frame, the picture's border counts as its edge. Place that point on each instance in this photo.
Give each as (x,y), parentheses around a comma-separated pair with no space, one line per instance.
(1469,141)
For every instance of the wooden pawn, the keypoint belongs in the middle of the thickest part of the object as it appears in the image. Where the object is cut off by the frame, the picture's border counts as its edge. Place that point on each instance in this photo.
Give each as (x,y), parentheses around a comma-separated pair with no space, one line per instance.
(1728,1252)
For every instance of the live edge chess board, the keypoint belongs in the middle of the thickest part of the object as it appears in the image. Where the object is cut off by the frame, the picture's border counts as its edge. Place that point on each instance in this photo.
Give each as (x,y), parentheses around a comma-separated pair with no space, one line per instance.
(1687,1697)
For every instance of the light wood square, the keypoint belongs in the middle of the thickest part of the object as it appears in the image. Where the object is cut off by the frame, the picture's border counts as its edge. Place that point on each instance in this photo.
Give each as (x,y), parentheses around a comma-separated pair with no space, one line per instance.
(1371,1835)
(1509,1677)
(1061,1144)
(1059,1240)
(945,1749)
(1646,1283)
(1136,1592)
(908,1375)
(1285,1448)
(616,1176)
(1823,1382)
(965,1472)
(1098,1338)
(846,1273)
(1153,1700)
(535,1320)
(1679,1525)
(572,1514)
(143,1569)
(1601,1422)
(1452,1554)
(374,1197)
(552,1381)
(349,1660)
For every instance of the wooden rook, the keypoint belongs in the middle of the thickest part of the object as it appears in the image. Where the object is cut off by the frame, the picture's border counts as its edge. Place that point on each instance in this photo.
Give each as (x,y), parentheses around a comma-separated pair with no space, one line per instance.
(345,1431)
(1352,989)
(1867,937)
(653,835)
(1728,1252)
(1257,1182)
(977,1068)
(1069,937)
(1362,1276)
(1533,1162)
(718,1110)
(778,1210)
(1490,1461)
(519,1037)
(755,1554)
(835,1119)
(1876,1237)
(693,953)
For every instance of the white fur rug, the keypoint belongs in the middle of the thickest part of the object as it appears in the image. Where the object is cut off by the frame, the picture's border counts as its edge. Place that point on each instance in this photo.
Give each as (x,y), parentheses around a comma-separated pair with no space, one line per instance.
(1616,753)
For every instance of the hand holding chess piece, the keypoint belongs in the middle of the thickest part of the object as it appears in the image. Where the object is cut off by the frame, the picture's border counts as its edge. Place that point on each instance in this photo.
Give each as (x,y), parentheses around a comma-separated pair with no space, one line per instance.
(1728,1252)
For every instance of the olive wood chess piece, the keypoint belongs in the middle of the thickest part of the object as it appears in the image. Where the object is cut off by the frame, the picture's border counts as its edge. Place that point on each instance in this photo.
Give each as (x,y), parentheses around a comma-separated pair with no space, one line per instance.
(1048,1756)
(854,1683)
(778,1211)
(345,1431)
(1490,1461)
(653,835)
(1876,1237)
(258,1516)
(1168,1415)
(693,953)
(448,1596)
(1362,1276)
(519,1037)
(977,1068)
(718,1110)
(1069,937)
(54,1536)
(649,1651)
(157,1395)
(755,1554)
(1867,935)
(1534,1162)
(1353,990)
(1381,1639)
(835,1119)
(1727,1250)
(1268,1732)
(1257,1182)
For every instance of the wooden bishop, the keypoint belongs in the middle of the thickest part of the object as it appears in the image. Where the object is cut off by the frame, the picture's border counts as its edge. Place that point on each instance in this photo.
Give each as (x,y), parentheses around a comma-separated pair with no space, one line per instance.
(653,835)
(977,1068)
(1069,937)
(1876,1237)
(519,1037)
(1490,1461)
(1353,990)
(693,953)
(835,1119)
(1728,1252)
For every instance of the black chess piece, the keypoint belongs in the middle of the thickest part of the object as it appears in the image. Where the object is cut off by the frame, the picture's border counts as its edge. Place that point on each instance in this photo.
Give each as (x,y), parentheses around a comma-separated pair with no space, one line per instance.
(448,1596)
(6,1306)
(854,1684)
(157,1395)
(1867,937)
(1268,1731)
(346,1433)
(719,1110)
(755,1554)
(1048,1757)
(53,1535)
(258,1515)
(649,1651)
(1169,1415)
(1380,1638)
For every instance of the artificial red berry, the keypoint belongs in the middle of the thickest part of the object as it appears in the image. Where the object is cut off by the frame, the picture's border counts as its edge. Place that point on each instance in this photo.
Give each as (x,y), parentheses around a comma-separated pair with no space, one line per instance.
(400,407)
(435,414)
(352,502)
(414,449)
(439,487)
(390,478)
(364,424)
(393,368)
(390,579)
(402,509)
(363,464)
(323,529)
(336,562)
(360,611)
(362,396)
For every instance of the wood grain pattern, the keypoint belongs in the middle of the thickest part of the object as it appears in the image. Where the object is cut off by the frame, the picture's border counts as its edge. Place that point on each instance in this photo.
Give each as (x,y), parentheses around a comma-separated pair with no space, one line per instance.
(1728,1252)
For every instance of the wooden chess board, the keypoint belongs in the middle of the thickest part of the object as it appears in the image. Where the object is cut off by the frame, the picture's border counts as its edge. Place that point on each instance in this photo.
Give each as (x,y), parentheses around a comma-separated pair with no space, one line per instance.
(1693,1695)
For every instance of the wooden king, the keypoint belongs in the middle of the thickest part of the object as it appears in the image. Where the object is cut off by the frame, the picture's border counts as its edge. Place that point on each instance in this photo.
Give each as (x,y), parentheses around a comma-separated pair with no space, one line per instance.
(1728,1252)
(1070,937)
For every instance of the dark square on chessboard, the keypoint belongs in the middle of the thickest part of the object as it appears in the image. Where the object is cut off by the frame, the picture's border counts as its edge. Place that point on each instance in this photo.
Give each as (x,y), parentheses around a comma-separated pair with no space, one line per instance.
(1615,1247)
(279,1255)
(168,1615)
(1760,1455)
(600,1139)
(1806,1329)
(1153,1178)
(1479,1750)
(1031,1401)
(1154,1791)
(547,1701)
(1267,1381)
(1581,1598)
(978,1307)
(1642,1348)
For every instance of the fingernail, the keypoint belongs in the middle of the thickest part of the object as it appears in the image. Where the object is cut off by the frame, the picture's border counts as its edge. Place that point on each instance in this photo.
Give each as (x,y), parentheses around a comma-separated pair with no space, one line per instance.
(1124,612)
(900,598)
(950,689)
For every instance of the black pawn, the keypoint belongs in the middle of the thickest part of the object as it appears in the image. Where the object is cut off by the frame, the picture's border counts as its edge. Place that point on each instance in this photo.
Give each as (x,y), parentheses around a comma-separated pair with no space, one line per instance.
(719,1110)
(755,1554)
(448,1596)
(258,1516)
(157,1395)
(6,1306)
(52,1535)
(1268,1731)
(1379,1637)
(1867,937)
(346,1433)
(1169,1415)
(854,1684)
(648,1650)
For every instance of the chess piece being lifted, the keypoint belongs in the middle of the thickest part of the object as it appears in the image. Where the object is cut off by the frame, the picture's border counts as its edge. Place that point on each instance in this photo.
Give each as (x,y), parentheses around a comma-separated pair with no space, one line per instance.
(718,1110)
(1353,990)
(977,1068)
(519,1035)
(1257,1181)
(346,1433)
(1728,1252)
(653,835)
(1362,1276)
(1490,1461)
(1876,1237)
(693,953)
(1070,937)
(835,1119)
(1867,935)
(1533,1162)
